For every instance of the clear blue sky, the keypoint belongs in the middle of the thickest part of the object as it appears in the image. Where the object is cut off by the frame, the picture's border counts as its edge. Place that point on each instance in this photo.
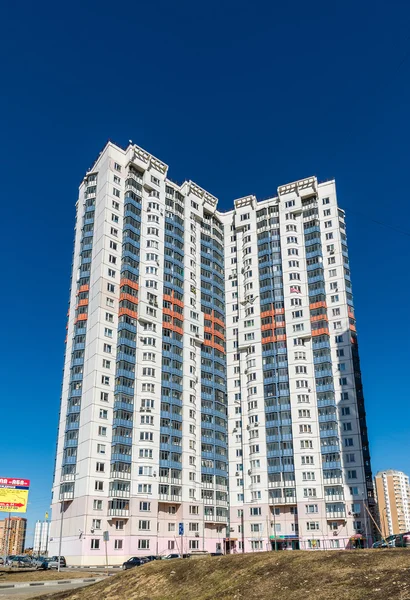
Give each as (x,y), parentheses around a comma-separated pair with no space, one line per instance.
(238,96)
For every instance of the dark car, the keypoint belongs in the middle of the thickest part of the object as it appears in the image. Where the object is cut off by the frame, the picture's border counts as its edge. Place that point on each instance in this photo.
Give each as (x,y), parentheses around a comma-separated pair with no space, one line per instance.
(135,561)
(150,558)
(62,560)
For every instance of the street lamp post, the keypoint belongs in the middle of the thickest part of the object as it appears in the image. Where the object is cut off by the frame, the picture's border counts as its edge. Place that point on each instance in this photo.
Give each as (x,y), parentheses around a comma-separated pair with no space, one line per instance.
(61,533)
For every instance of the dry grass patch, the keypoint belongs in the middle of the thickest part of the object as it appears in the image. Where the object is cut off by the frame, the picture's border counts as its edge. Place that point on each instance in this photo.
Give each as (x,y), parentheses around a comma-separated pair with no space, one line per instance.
(345,575)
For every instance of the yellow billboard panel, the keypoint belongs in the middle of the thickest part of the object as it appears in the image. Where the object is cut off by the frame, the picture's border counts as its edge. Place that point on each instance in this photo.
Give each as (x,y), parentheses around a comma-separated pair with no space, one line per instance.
(13,500)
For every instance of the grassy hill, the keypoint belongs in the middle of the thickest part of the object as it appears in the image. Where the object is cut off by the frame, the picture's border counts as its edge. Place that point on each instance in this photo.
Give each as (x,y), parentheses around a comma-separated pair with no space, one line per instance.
(346,575)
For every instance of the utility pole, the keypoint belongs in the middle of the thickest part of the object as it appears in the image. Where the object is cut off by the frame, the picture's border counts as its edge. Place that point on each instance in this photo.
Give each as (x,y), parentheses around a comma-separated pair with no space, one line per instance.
(61,535)
(6,553)
(274,527)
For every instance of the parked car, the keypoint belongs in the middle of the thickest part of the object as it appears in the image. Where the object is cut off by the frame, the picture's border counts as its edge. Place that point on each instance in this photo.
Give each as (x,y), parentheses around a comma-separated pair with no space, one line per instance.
(134,561)
(62,560)
(402,540)
(150,558)
(40,562)
(171,556)
(19,561)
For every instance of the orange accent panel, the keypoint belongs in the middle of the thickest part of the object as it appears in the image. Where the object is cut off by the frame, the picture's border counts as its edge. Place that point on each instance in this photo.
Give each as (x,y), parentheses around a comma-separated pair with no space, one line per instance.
(84,288)
(178,302)
(208,329)
(167,311)
(83,302)
(82,317)
(319,318)
(127,311)
(267,313)
(131,284)
(219,322)
(281,338)
(267,340)
(218,334)
(352,327)
(320,304)
(129,297)
(267,326)
(320,331)
(167,298)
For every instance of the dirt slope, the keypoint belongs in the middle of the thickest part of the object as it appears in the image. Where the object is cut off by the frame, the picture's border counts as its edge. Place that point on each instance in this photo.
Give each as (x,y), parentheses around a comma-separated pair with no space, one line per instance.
(346,575)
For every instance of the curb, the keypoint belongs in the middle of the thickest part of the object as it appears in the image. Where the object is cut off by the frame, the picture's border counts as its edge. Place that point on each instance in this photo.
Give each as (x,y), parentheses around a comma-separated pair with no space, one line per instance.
(100,567)
(28,584)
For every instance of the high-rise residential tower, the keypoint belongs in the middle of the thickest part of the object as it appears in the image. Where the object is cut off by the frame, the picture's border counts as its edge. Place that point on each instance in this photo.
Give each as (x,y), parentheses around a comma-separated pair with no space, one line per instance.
(12,535)
(393,500)
(211,374)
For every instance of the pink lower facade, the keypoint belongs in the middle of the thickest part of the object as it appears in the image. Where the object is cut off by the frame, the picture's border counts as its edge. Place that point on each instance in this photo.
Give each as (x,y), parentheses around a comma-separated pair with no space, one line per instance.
(251,528)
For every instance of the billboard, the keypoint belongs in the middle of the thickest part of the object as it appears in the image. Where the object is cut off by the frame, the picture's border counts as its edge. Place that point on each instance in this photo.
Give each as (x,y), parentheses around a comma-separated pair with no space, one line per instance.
(14,494)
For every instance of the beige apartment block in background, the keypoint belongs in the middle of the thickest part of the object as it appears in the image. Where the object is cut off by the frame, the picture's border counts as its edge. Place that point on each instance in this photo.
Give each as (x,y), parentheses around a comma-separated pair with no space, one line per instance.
(393,497)
(12,535)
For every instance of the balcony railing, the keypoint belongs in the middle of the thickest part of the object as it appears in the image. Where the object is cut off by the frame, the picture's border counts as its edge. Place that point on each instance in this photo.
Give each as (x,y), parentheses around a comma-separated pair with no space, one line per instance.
(118,512)
(169,498)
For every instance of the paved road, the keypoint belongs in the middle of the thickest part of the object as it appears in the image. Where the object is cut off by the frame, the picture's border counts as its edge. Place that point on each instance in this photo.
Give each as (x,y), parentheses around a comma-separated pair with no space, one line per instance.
(25,593)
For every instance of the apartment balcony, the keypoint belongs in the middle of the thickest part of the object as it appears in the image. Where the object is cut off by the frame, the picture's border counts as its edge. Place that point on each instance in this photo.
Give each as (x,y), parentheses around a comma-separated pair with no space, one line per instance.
(329,433)
(336,464)
(334,497)
(332,480)
(78,346)
(323,344)
(337,515)
(330,418)
(327,387)
(120,475)
(170,498)
(71,443)
(326,402)
(119,404)
(68,477)
(71,426)
(282,500)
(77,362)
(275,484)
(327,449)
(121,439)
(75,393)
(69,460)
(126,458)
(74,409)
(118,512)
(171,480)
(219,502)
(122,423)
(113,493)
(215,519)
(66,495)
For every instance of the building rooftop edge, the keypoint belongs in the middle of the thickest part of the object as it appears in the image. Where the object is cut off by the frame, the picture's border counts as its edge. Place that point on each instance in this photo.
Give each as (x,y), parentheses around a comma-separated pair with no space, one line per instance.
(282,189)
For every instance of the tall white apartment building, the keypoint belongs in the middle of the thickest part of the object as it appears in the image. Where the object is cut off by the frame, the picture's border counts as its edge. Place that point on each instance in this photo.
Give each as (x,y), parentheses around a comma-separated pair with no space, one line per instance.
(40,543)
(392,490)
(212,381)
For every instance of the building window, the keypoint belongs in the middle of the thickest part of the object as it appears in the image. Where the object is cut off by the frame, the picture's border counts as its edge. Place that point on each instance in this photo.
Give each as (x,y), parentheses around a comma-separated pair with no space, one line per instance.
(117,544)
(143,544)
(95,544)
(97,505)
